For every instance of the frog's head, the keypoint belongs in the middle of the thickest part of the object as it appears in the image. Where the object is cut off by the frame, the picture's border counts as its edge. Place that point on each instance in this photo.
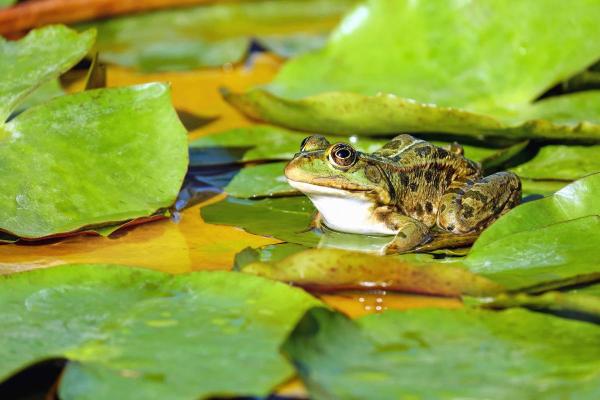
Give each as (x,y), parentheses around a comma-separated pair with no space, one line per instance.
(322,168)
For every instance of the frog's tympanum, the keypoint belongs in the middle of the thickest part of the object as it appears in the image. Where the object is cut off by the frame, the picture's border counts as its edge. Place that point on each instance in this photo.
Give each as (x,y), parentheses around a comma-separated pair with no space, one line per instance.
(409,188)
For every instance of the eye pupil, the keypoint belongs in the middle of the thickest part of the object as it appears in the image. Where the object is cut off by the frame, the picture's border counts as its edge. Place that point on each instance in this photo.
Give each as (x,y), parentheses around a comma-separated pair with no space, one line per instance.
(343,153)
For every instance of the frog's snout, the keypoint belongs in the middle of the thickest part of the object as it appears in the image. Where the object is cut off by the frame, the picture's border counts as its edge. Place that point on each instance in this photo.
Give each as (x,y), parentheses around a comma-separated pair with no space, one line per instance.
(289,169)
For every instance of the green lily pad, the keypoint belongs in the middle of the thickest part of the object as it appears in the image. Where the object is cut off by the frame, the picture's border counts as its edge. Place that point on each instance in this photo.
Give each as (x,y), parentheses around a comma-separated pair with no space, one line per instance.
(561,163)
(286,218)
(334,269)
(36,59)
(134,334)
(446,58)
(6,3)
(440,77)
(215,34)
(541,187)
(265,180)
(45,92)
(579,199)
(105,156)
(446,354)
(557,255)
(384,114)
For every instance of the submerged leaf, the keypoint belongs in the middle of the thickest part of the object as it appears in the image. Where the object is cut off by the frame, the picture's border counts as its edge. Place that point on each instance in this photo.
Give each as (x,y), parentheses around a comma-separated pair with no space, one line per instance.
(39,57)
(137,334)
(104,156)
(286,218)
(215,34)
(332,269)
(435,353)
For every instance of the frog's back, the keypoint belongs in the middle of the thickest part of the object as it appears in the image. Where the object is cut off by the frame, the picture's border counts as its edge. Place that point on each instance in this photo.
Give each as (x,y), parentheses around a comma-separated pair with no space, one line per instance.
(419,174)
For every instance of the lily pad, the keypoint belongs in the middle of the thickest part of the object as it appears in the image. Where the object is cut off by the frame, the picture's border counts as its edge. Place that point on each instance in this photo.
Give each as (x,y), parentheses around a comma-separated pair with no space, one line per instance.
(541,187)
(36,59)
(333,269)
(215,34)
(433,66)
(133,334)
(561,254)
(266,180)
(440,77)
(45,92)
(579,199)
(286,218)
(565,163)
(435,353)
(91,159)
(386,114)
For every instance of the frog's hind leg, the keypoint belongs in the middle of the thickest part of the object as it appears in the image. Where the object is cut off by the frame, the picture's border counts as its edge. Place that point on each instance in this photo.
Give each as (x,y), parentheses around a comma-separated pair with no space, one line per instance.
(410,232)
(470,206)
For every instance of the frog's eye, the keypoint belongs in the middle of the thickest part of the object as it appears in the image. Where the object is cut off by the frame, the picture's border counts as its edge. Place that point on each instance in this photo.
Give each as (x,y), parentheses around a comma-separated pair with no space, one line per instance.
(342,155)
(314,142)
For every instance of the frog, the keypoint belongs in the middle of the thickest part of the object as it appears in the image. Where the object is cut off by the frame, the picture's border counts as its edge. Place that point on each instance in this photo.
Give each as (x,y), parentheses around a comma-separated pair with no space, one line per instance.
(409,189)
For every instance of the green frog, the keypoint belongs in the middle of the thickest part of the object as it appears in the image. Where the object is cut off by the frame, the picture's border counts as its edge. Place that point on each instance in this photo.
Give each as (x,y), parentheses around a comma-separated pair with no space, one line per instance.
(409,188)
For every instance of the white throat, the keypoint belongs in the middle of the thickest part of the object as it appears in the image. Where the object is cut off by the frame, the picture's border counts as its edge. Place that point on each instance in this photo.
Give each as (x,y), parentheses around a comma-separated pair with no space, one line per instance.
(342,210)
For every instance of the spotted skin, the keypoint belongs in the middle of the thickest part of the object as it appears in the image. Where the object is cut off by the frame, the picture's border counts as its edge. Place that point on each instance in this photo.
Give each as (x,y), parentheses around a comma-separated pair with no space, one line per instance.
(414,186)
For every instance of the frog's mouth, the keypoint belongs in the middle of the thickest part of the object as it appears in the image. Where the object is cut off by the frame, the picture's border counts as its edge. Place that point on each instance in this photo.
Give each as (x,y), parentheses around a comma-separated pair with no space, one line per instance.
(311,188)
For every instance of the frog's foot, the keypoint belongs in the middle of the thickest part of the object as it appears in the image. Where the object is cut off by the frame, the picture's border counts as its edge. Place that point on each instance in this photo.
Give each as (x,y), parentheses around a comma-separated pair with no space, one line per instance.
(317,221)
(447,240)
(315,224)
(411,233)
(472,206)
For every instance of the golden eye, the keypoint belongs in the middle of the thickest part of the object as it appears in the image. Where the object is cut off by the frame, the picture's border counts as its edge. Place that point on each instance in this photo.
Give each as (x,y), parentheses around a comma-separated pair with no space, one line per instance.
(342,155)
